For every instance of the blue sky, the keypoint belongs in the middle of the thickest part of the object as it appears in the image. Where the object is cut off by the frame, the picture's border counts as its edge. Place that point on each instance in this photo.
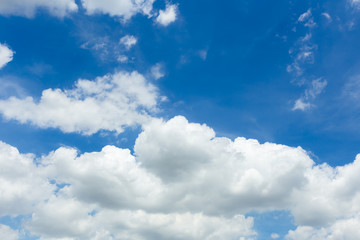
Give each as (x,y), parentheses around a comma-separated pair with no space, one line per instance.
(171,96)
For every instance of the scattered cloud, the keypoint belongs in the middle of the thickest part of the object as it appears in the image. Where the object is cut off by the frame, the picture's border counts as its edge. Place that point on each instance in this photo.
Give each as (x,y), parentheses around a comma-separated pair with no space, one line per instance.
(203,54)
(307,19)
(108,103)
(123,58)
(124,9)
(59,8)
(317,87)
(327,16)
(174,185)
(128,41)
(303,54)
(6,55)
(157,71)
(274,236)
(168,15)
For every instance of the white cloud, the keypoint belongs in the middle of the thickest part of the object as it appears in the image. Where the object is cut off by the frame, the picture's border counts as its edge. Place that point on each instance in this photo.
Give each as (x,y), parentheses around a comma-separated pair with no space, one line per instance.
(317,87)
(327,16)
(157,71)
(168,15)
(305,16)
(109,103)
(6,233)
(182,182)
(348,229)
(124,9)
(22,184)
(59,8)
(128,41)
(123,58)
(6,55)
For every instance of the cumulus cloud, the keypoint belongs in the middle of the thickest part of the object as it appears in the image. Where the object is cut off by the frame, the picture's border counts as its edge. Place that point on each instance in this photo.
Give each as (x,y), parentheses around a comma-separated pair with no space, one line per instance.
(128,41)
(317,87)
(157,71)
(59,8)
(109,103)
(181,182)
(6,55)
(348,229)
(124,9)
(23,184)
(6,233)
(168,15)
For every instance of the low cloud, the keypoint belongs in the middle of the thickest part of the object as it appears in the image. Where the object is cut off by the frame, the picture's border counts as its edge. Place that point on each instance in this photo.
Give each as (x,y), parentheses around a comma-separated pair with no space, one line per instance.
(110,103)
(168,15)
(59,8)
(181,182)
(6,55)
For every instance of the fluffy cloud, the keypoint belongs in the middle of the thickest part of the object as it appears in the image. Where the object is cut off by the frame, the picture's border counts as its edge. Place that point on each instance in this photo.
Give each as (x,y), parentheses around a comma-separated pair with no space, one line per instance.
(58,8)
(7,233)
(168,15)
(182,182)
(108,103)
(128,41)
(348,229)
(23,185)
(124,8)
(6,55)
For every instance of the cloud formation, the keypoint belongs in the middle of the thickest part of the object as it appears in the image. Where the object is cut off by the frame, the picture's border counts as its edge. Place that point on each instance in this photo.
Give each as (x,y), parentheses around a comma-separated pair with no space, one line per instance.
(128,41)
(59,8)
(168,15)
(6,55)
(109,103)
(124,9)
(182,182)
(317,87)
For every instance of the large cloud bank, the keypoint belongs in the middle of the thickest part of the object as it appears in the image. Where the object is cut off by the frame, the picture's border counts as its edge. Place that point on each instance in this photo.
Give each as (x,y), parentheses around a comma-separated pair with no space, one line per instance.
(182,182)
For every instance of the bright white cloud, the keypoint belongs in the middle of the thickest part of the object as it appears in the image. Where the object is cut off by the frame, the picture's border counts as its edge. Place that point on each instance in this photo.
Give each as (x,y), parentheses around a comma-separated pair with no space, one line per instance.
(6,233)
(317,87)
(173,187)
(6,55)
(128,41)
(124,9)
(23,185)
(168,15)
(109,103)
(59,8)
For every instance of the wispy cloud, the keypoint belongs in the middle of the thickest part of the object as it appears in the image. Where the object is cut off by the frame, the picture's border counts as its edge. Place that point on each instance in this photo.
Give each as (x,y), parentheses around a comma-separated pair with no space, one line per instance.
(317,87)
